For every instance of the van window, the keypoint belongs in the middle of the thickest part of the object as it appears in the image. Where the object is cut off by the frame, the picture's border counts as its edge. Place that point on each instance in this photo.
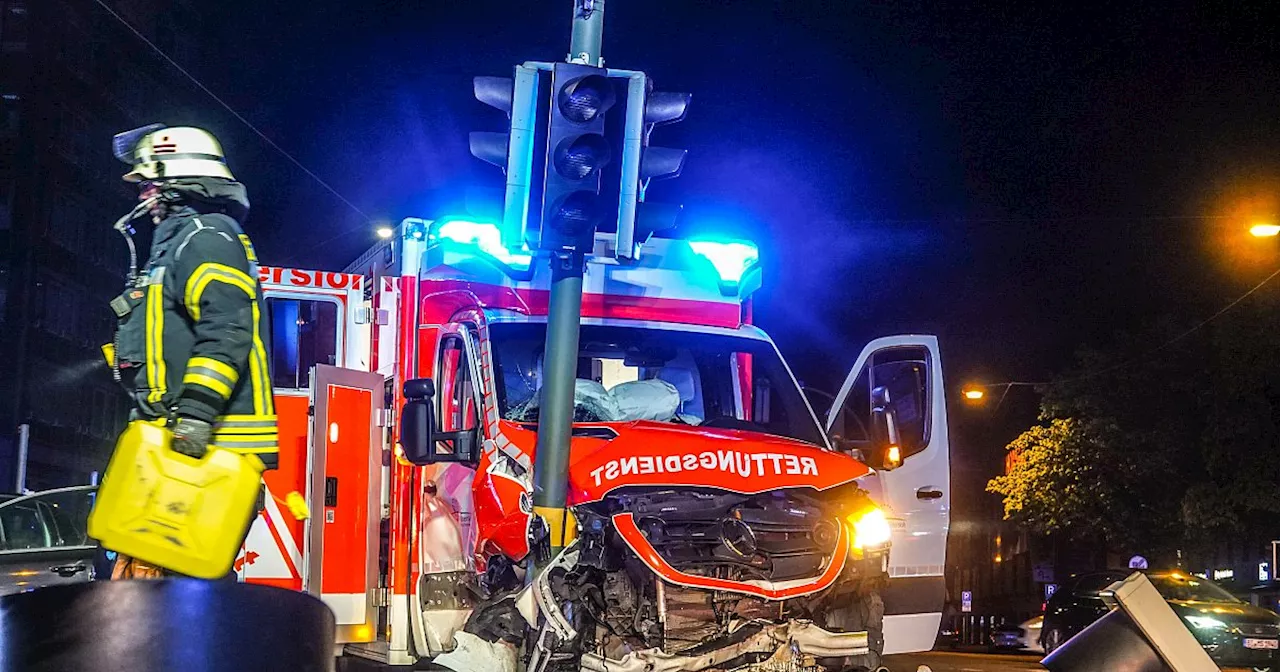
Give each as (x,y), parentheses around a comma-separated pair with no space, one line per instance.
(457,391)
(304,333)
(903,372)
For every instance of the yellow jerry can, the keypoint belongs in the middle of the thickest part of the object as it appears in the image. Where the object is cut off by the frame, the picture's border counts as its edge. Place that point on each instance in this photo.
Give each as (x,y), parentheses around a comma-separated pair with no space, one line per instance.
(184,514)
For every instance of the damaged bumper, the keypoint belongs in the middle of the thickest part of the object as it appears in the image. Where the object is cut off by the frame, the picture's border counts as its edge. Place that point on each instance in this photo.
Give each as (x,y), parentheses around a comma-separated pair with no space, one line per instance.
(795,640)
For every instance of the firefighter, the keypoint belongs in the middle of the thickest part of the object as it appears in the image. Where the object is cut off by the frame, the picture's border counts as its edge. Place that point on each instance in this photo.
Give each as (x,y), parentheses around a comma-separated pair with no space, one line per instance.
(190,348)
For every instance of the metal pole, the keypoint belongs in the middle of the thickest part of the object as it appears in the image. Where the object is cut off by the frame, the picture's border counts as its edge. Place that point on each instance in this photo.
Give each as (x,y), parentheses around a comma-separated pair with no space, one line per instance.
(588,32)
(555,419)
(564,314)
(24,444)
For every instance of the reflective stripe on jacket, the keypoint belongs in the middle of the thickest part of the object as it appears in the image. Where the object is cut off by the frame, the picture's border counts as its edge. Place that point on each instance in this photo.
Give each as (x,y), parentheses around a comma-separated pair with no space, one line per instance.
(192,338)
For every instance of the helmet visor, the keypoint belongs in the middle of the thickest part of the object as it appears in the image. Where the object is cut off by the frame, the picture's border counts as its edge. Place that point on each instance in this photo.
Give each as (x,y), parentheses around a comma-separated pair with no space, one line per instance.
(124,144)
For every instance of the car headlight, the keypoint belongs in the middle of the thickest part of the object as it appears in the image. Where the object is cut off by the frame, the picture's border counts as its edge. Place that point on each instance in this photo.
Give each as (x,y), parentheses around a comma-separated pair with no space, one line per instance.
(870,528)
(1205,623)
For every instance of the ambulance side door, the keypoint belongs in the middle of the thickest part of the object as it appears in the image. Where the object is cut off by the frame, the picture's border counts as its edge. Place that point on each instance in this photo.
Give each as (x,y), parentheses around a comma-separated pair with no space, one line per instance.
(907,370)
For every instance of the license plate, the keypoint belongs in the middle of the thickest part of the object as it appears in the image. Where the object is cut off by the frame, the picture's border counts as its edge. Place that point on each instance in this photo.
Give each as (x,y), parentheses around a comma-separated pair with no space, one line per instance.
(1253,643)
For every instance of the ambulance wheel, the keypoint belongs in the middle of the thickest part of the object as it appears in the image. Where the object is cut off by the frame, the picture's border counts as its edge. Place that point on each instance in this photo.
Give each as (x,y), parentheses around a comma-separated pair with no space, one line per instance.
(861,612)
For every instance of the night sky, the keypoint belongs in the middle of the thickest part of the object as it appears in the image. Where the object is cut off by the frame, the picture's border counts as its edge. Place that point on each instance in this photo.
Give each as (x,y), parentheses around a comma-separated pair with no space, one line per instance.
(1019,179)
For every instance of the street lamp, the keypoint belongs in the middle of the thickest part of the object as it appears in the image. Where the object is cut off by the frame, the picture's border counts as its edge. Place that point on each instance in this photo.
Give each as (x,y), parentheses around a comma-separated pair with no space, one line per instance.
(975,394)
(1265,230)
(385,232)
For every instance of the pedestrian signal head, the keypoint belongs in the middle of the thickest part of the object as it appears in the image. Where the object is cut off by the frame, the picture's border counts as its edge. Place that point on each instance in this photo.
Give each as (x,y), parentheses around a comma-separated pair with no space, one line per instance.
(160,153)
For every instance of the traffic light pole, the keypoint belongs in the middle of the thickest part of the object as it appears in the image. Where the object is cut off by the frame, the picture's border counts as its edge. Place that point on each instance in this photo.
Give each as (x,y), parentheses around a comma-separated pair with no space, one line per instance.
(564,315)
(588,32)
(555,420)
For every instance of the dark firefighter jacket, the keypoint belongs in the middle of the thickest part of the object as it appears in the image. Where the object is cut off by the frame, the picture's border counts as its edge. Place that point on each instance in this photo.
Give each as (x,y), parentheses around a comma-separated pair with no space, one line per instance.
(191,336)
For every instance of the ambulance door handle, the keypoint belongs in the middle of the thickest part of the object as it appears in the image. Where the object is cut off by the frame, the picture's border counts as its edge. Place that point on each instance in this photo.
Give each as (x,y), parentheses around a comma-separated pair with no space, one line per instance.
(928,492)
(330,490)
(68,571)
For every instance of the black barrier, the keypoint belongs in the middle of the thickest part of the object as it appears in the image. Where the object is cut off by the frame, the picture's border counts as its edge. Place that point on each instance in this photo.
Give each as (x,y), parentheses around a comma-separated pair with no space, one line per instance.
(178,625)
(1112,643)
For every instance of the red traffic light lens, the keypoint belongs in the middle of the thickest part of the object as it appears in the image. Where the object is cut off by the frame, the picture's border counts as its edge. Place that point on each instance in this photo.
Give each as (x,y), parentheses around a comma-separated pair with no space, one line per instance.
(582,100)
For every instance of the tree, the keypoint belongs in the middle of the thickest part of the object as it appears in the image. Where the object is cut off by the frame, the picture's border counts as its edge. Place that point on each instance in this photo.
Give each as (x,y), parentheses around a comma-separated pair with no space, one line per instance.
(1115,444)
(1166,439)
(1072,476)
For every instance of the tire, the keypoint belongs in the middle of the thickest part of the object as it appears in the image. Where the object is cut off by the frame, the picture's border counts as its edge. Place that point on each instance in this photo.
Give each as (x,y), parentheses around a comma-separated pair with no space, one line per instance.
(1052,639)
(861,612)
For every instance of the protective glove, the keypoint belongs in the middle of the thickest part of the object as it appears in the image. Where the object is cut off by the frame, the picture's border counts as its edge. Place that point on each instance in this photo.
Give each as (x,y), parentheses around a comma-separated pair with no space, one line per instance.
(191,437)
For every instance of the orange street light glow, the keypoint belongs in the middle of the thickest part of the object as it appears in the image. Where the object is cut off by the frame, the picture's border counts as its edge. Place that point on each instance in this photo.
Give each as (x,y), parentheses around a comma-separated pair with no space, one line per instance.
(1265,230)
(974,394)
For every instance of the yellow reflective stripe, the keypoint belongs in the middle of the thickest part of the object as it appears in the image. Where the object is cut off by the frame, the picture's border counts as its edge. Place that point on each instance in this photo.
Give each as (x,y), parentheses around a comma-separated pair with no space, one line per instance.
(251,451)
(260,431)
(220,368)
(259,373)
(208,272)
(247,421)
(222,389)
(248,248)
(155,342)
(247,439)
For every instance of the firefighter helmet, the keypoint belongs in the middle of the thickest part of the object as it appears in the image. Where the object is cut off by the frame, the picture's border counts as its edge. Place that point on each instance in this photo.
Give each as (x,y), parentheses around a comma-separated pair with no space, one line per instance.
(158,153)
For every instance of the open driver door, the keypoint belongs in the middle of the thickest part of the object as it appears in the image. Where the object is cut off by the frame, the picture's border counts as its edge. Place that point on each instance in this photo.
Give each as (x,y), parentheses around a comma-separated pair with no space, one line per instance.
(897,382)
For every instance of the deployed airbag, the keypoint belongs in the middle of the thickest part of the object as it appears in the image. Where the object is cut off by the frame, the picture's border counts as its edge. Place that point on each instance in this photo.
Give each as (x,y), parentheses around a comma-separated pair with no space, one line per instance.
(646,400)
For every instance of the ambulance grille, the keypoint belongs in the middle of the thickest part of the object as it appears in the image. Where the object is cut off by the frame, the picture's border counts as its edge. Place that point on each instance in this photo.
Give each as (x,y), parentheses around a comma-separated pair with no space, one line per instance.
(776,536)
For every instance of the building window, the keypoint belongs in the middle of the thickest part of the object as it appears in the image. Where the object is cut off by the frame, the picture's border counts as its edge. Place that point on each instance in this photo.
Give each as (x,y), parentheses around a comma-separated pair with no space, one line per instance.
(304,333)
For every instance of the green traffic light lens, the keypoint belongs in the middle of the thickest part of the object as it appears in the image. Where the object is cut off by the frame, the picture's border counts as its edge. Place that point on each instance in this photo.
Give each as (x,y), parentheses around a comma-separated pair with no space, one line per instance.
(582,100)
(577,158)
(577,213)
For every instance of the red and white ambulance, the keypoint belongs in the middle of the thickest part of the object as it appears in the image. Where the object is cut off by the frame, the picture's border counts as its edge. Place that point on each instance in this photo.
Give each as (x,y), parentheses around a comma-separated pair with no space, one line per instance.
(720,524)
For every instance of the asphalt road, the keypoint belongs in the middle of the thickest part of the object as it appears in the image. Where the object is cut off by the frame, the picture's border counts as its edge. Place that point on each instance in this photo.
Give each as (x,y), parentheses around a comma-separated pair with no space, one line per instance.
(964,662)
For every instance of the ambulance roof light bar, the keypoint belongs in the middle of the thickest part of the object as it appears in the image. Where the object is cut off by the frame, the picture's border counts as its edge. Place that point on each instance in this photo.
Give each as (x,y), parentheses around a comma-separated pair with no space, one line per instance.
(731,259)
(735,263)
(484,236)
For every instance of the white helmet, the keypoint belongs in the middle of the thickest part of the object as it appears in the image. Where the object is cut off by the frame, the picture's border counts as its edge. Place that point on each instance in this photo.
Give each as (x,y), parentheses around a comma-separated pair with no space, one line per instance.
(158,153)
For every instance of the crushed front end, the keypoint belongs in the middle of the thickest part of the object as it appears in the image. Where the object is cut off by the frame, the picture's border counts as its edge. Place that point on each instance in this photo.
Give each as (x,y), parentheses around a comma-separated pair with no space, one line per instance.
(691,580)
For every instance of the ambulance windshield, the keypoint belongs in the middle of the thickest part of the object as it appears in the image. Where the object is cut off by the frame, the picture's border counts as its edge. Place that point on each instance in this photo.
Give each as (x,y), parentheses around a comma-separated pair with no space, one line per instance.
(633,373)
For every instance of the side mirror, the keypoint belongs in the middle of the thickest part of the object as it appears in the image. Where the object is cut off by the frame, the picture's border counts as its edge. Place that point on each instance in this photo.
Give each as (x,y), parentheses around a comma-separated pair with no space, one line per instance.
(418,422)
(419,436)
(885,426)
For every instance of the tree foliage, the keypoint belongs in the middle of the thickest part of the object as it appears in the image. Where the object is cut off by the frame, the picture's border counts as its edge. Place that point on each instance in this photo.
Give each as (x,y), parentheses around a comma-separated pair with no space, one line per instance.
(1163,450)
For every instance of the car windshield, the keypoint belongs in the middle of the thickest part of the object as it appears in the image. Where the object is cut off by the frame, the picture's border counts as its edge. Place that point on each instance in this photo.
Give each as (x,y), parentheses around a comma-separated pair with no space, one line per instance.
(680,377)
(1190,588)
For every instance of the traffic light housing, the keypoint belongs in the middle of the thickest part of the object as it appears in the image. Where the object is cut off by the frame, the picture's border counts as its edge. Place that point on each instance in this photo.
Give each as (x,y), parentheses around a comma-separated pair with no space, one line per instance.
(577,156)
(513,150)
(577,152)
(646,109)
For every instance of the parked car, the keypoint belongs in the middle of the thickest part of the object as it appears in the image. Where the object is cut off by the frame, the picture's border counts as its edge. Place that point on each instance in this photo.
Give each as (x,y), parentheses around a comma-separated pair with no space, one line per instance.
(1031,634)
(1233,632)
(1022,637)
(44,539)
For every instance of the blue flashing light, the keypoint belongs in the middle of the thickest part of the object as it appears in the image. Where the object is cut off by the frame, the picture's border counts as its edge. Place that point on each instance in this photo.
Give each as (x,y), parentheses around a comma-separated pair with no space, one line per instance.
(731,259)
(485,236)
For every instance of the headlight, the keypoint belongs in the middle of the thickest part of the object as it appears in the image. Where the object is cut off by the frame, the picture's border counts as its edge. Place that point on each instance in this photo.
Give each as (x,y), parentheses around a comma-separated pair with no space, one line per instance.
(870,528)
(1205,623)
